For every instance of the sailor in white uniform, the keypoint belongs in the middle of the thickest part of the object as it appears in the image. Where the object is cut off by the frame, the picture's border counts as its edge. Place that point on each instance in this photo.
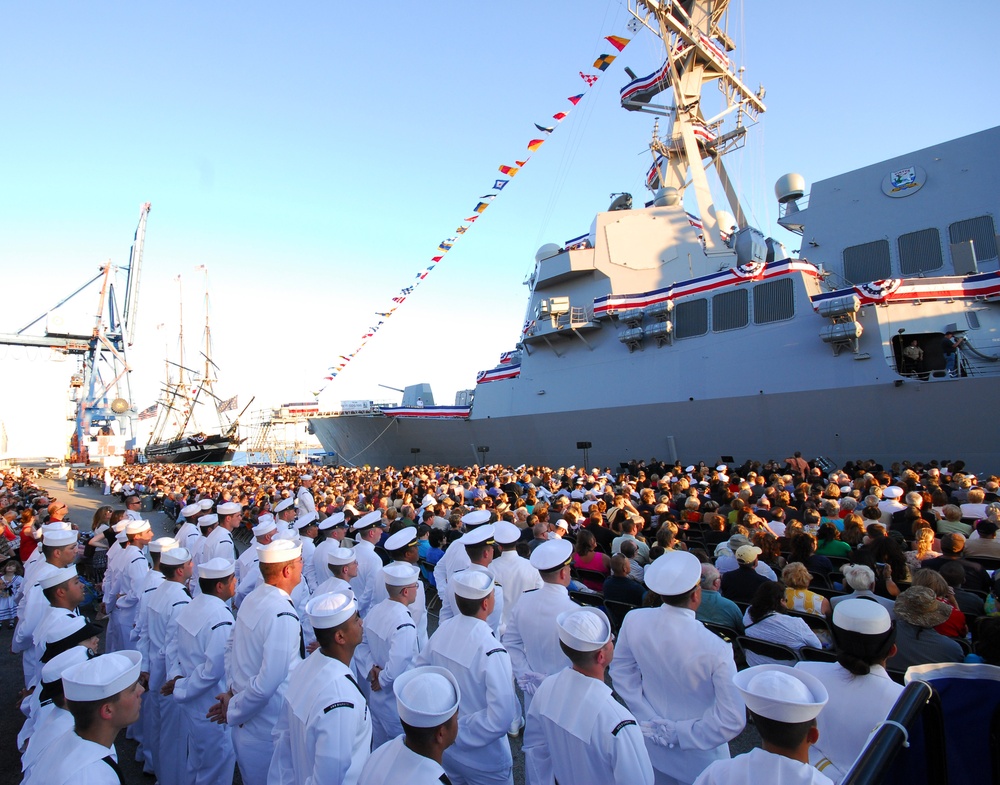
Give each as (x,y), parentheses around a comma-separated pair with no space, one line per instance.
(784,703)
(427,700)
(576,731)
(284,515)
(264,650)
(478,545)
(219,544)
(134,568)
(61,592)
(324,731)
(308,528)
(403,548)
(532,636)
(389,647)
(204,628)
(512,571)
(248,565)
(303,497)
(189,531)
(367,532)
(86,755)
(208,523)
(676,677)
(119,540)
(334,529)
(465,646)
(342,567)
(456,559)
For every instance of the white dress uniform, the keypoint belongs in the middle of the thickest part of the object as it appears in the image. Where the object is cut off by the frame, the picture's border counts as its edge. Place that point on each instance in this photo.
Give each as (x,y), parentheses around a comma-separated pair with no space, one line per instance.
(390,642)
(248,562)
(856,706)
(149,717)
(577,732)
(761,766)
(204,627)
(49,615)
(36,608)
(324,732)
(158,647)
(396,763)
(693,690)
(79,762)
(218,544)
(465,646)
(197,557)
(305,502)
(517,576)
(54,724)
(112,641)
(532,637)
(369,575)
(250,581)
(187,534)
(454,559)
(309,565)
(263,651)
(417,609)
(449,610)
(321,565)
(134,568)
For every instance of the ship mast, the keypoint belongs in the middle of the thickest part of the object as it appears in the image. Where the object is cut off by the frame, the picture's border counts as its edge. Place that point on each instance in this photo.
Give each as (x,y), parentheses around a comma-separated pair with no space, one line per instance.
(698,53)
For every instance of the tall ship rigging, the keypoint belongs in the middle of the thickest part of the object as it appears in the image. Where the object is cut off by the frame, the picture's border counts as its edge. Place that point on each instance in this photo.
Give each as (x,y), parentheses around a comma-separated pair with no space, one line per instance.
(674,328)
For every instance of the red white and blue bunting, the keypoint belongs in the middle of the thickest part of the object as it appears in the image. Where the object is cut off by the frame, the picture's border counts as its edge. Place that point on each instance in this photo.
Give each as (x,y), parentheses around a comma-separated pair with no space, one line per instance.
(895,290)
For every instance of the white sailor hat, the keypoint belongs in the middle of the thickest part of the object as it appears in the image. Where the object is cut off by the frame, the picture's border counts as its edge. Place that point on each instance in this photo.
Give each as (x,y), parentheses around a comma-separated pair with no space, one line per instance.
(428,500)
(284,504)
(60,575)
(229,508)
(473,584)
(56,538)
(673,573)
(892,492)
(689,469)
(483,535)
(163,544)
(400,574)
(305,477)
(190,510)
(265,525)
(561,524)
(102,676)
(476,518)
(552,555)
(780,693)
(331,609)
(137,527)
(208,520)
(119,528)
(864,616)
(721,467)
(584,629)
(278,551)
(846,489)
(338,557)
(217,568)
(337,519)
(53,670)
(175,556)
(373,518)
(206,504)
(427,696)
(122,537)
(404,538)
(506,533)
(309,519)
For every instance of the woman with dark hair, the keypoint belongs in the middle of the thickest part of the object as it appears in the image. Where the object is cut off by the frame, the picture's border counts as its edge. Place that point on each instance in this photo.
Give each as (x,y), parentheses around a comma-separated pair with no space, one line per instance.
(854,530)
(828,542)
(886,558)
(587,557)
(766,620)
(770,550)
(861,692)
(802,547)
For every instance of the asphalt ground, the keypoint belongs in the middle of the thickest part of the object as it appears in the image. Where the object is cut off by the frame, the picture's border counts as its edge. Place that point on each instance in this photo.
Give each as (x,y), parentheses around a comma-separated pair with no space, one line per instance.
(82,503)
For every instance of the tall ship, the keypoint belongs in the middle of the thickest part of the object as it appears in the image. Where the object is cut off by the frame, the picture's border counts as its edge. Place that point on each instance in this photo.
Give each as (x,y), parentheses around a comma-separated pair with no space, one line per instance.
(191,424)
(668,334)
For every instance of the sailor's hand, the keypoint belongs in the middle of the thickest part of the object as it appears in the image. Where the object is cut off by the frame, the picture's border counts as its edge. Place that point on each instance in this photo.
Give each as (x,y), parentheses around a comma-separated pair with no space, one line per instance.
(144,680)
(312,647)
(168,688)
(219,712)
(373,678)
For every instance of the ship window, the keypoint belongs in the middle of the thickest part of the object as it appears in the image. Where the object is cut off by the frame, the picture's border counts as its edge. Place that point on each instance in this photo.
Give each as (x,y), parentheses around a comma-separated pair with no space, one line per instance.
(973,319)
(920,252)
(868,262)
(730,310)
(773,301)
(691,318)
(982,233)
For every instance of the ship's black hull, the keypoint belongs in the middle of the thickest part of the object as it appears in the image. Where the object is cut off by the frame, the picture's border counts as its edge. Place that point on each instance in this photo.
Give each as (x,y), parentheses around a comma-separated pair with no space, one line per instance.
(193,449)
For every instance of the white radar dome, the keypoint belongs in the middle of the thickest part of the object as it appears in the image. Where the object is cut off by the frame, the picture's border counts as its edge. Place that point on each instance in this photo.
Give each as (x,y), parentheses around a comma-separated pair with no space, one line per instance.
(789,187)
(547,250)
(725,219)
(667,197)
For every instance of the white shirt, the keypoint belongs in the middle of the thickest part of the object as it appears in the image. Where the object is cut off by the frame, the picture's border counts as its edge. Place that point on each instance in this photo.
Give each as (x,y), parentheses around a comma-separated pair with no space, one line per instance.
(417,609)
(693,693)
(321,565)
(133,572)
(218,544)
(157,645)
(306,503)
(54,724)
(532,637)
(761,766)
(187,534)
(575,731)
(780,628)
(396,763)
(204,627)
(324,733)
(79,762)
(309,564)
(517,576)
(454,559)
(369,573)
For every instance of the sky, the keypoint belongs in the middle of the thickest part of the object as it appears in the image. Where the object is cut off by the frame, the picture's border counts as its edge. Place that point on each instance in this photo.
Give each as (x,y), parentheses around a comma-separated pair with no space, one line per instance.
(312,156)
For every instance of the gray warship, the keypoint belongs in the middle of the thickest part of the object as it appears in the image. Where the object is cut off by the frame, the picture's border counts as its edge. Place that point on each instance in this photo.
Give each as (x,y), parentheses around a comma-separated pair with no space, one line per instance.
(666,334)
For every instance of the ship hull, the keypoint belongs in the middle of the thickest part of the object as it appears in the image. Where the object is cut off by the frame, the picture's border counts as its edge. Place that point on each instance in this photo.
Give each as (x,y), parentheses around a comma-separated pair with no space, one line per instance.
(914,420)
(211,449)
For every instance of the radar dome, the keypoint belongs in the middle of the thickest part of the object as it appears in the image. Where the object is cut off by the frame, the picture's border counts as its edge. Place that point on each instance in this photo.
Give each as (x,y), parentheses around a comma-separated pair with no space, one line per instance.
(726,220)
(667,197)
(547,250)
(789,188)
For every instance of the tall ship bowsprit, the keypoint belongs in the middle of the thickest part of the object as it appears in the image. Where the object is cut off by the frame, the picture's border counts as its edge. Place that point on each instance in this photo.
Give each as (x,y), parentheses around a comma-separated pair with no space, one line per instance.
(185,433)
(676,329)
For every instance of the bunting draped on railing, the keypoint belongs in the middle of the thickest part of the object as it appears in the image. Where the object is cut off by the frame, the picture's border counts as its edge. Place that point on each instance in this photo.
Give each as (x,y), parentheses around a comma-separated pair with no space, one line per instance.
(509,171)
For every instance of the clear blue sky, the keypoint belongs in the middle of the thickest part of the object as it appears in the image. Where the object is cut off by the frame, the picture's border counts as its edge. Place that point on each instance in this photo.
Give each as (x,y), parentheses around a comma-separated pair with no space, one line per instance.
(314,154)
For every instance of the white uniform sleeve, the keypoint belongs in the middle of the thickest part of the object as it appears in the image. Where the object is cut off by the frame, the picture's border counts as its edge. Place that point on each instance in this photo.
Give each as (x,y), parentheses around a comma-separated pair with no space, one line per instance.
(402,650)
(626,676)
(726,719)
(206,677)
(629,758)
(537,758)
(281,646)
(486,726)
(336,730)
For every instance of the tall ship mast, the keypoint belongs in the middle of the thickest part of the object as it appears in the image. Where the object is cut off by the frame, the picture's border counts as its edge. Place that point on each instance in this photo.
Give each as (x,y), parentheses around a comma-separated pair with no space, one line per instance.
(674,328)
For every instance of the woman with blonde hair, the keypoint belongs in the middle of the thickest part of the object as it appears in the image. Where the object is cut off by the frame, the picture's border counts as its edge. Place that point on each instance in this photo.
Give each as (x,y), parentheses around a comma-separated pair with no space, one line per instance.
(924,541)
(796,578)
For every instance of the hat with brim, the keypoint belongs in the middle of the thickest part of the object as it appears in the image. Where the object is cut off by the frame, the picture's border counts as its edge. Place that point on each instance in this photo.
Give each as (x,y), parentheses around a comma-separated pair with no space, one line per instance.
(265,526)
(284,504)
(217,569)
(476,518)
(673,574)
(400,574)
(337,519)
(137,527)
(163,544)
(401,540)
(585,629)
(338,557)
(427,697)
(175,557)
(374,518)
(61,575)
(229,508)
(483,535)
(473,584)
(57,538)
(747,554)
(279,551)
(208,520)
(780,693)
(552,555)
(919,606)
(331,609)
(205,504)
(506,533)
(190,510)
(102,677)
(309,519)
(892,492)
(738,540)
(55,667)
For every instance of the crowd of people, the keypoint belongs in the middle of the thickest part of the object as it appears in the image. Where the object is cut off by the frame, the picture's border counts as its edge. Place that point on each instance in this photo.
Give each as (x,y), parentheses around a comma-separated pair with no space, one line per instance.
(400,625)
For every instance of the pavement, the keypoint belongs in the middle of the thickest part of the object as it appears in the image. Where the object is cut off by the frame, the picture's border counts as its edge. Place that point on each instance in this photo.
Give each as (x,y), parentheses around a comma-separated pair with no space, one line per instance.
(83,503)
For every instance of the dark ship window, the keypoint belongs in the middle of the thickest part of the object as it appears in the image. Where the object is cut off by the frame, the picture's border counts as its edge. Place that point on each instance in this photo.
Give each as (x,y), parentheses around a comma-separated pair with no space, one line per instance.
(868,262)
(730,310)
(920,252)
(691,318)
(773,301)
(982,233)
